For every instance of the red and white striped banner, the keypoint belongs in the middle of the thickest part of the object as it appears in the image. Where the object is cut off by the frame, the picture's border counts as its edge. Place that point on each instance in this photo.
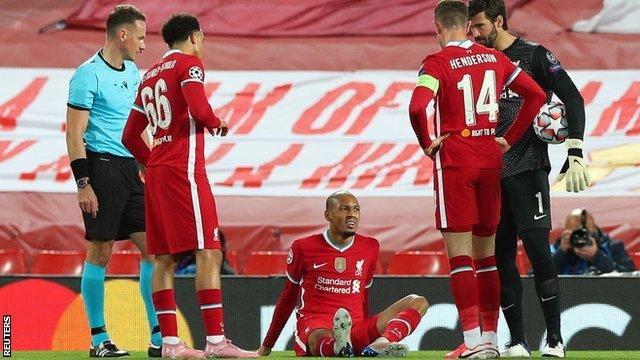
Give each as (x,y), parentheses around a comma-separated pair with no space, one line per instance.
(309,133)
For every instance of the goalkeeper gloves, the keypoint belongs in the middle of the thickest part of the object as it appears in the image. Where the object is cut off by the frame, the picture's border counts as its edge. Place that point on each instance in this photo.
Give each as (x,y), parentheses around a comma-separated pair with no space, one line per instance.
(575,169)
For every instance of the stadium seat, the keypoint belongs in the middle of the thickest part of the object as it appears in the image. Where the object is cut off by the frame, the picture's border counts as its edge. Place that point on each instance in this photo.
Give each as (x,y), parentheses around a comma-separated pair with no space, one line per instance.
(632,246)
(58,263)
(379,267)
(12,262)
(555,234)
(419,263)
(610,228)
(636,259)
(629,237)
(522,262)
(124,263)
(266,263)
(232,259)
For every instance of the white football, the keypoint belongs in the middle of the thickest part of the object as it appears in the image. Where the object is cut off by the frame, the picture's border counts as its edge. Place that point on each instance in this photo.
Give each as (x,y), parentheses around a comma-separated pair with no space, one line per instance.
(550,125)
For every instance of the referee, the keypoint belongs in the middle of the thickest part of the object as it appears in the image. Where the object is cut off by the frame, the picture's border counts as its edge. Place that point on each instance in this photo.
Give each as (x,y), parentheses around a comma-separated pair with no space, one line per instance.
(110,191)
(525,185)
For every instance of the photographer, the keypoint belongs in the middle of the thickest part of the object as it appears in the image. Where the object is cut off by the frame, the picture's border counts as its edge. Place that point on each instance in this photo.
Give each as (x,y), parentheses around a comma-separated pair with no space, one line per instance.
(583,249)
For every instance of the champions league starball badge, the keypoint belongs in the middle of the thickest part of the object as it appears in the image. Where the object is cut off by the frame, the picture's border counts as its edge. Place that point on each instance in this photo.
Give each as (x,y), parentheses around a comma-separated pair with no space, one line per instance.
(196,73)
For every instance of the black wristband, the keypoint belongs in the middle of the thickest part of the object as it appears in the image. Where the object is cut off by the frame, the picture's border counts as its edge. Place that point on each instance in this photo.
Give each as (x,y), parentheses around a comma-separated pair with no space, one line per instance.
(80,168)
(575,152)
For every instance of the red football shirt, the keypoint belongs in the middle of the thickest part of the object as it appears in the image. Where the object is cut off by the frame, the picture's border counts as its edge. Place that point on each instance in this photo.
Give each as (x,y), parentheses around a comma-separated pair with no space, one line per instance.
(468,79)
(330,277)
(171,98)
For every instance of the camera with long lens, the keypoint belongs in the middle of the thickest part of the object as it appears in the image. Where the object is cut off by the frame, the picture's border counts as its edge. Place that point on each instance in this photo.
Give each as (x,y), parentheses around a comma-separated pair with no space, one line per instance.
(581,237)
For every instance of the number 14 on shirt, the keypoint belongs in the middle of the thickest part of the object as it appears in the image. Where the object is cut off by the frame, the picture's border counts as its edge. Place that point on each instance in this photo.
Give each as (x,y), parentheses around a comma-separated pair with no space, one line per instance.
(487,101)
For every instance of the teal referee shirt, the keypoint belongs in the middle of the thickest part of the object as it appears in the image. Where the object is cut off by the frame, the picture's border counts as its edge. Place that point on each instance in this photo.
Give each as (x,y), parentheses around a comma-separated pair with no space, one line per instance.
(107,93)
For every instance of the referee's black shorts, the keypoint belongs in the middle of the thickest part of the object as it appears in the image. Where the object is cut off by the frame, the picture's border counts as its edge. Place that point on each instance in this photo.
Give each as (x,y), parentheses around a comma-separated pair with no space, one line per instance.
(120,192)
(525,201)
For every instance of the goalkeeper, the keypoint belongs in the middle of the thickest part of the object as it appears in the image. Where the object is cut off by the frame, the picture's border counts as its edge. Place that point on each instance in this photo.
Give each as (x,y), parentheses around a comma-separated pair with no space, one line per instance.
(525,185)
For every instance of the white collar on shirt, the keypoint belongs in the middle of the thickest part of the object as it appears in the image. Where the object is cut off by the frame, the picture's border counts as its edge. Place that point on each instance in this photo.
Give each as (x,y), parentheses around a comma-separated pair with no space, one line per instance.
(325,234)
(463,44)
(173,51)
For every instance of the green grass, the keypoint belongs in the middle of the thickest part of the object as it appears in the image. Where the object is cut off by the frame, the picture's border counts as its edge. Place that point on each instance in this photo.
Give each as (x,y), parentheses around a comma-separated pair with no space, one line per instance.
(428,355)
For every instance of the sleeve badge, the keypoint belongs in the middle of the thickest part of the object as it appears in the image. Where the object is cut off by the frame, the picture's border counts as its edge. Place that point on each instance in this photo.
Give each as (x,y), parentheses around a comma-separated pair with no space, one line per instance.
(290,257)
(195,72)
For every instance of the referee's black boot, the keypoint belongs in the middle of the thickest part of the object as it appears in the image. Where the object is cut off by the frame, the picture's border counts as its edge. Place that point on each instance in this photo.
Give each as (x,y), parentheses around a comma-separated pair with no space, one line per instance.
(154,351)
(107,349)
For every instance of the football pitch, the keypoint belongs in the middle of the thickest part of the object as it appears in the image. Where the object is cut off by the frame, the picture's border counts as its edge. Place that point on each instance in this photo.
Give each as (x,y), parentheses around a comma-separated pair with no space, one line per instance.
(429,355)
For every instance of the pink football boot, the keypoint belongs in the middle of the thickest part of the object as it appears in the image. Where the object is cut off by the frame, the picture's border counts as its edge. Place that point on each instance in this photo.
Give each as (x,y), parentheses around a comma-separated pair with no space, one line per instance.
(225,349)
(181,351)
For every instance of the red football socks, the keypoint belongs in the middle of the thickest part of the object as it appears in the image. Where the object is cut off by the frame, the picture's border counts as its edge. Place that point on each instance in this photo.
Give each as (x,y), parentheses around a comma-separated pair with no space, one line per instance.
(210,301)
(465,294)
(324,347)
(401,325)
(488,292)
(465,291)
(165,304)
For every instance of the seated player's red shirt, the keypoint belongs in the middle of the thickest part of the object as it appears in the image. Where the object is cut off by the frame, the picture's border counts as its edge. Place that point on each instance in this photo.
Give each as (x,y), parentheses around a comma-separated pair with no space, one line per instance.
(330,277)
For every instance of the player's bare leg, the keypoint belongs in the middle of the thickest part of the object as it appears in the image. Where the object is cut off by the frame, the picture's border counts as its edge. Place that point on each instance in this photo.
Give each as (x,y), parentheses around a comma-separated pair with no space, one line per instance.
(208,284)
(139,239)
(163,271)
(394,324)
(99,252)
(465,294)
(146,275)
(413,301)
(208,269)
(458,243)
(164,301)
(488,281)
